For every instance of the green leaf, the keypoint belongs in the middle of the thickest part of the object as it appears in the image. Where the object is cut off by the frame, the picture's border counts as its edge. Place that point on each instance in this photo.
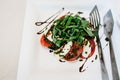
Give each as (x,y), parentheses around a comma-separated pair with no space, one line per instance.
(73,37)
(69,21)
(80,39)
(95,33)
(54,31)
(54,39)
(64,21)
(89,32)
(59,43)
(77,16)
(59,31)
(85,23)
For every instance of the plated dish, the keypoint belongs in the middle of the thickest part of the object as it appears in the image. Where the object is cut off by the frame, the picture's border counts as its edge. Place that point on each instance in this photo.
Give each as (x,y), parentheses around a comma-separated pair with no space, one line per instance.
(70,37)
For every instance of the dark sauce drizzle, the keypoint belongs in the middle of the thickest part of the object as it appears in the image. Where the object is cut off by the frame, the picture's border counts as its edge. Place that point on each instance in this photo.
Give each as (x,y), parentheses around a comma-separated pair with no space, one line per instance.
(45,28)
(81,67)
(92,61)
(107,39)
(46,21)
(40,23)
(61,60)
(50,51)
(80,12)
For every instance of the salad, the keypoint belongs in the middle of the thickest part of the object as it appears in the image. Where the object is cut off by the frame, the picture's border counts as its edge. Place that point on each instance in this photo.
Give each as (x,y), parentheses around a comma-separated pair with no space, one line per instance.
(69,36)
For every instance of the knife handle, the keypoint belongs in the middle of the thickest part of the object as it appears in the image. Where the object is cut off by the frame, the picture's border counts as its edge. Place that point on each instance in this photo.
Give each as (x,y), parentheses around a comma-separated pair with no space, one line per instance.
(115,73)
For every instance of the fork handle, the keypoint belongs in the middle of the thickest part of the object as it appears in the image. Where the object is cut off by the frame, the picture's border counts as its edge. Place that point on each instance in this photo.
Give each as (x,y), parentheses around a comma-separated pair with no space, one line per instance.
(102,62)
(115,73)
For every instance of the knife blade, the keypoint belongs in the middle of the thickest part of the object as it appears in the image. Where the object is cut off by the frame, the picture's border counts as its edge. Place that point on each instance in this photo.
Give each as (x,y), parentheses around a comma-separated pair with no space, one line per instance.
(108,29)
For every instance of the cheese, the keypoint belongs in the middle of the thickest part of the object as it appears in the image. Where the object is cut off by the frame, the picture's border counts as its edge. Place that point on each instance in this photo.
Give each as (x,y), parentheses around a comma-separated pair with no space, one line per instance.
(49,37)
(87,50)
(63,50)
(66,49)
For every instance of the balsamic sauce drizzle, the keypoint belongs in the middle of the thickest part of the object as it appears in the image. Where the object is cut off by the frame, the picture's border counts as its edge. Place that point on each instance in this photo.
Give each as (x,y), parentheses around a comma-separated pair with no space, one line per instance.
(92,61)
(61,60)
(81,67)
(105,46)
(40,23)
(80,12)
(50,51)
(41,31)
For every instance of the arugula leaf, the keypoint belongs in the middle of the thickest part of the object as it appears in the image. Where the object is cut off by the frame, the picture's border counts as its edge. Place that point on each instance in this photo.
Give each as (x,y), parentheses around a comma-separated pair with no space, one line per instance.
(64,21)
(89,32)
(80,39)
(85,23)
(69,21)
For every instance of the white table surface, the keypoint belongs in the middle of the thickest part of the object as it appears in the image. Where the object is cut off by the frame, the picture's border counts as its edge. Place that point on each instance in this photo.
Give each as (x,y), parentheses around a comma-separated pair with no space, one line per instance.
(11,26)
(111,5)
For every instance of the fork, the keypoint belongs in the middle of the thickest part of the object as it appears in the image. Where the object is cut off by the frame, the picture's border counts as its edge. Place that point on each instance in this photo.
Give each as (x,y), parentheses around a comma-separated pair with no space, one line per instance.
(94,18)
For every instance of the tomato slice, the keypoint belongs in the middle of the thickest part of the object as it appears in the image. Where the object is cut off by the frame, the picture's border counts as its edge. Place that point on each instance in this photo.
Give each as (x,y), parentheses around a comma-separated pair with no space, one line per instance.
(74,53)
(45,42)
(92,44)
(62,17)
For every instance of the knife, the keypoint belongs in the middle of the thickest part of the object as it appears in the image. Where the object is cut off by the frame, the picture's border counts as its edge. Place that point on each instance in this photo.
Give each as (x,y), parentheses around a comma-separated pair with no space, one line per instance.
(108,29)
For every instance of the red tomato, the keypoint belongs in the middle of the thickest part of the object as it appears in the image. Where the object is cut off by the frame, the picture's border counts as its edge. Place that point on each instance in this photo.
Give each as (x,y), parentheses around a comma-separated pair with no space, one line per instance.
(45,42)
(92,44)
(74,53)
(62,17)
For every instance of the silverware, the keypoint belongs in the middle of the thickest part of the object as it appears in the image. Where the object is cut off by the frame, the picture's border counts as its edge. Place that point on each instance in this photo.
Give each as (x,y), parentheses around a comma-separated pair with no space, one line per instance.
(95,21)
(108,29)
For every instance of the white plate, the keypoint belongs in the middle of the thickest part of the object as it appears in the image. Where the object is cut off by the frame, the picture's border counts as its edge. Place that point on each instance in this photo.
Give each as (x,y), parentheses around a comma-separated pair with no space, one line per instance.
(36,63)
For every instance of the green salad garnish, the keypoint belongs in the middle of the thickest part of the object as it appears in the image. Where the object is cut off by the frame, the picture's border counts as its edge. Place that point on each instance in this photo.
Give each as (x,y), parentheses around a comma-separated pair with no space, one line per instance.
(71,28)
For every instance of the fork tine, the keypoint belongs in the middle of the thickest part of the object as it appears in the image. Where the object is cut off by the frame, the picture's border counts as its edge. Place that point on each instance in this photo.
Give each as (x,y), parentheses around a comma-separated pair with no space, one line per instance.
(95,21)
(97,17)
